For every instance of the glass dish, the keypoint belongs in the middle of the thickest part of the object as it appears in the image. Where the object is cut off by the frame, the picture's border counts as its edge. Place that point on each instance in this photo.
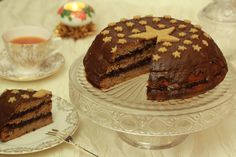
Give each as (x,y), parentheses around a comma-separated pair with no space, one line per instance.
(144,123)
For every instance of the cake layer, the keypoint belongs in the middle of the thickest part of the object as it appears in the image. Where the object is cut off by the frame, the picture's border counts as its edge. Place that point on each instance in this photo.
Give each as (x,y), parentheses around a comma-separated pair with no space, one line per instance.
(9,133)
(22,123)
(116,79)
(139,50)
(128,68)
(186,91)
(32,113)
(30,108)
(32,104)
(143,54)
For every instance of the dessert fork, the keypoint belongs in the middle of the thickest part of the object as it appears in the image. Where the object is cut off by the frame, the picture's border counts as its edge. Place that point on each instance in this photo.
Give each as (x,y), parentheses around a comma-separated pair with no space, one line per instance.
(69,140)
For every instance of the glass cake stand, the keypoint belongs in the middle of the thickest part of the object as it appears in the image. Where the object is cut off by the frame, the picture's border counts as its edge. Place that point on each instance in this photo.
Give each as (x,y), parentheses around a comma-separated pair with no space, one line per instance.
(149,124)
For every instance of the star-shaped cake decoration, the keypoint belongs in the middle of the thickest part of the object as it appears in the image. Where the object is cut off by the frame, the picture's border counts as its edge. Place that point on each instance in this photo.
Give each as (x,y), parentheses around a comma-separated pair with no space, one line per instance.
(205,42)
(161,35)
(187,42)
(182,48)
(12,99)
(25,96)
(162,49)
(197,48)
(113,49)
(118,28)
(15,91)
(176,54)
(107,39)
(167,17)
(156,19)
(129,24)
(193,30)
(173,21)
(194,36)
(182,34)
(187,21)
(167,44)
(105,32)
(112,24)
(135,30)
(161,26)
(122,41)
(136,17)
(121,35)
(198,26)
(181,26)
(155,57)
(142,22)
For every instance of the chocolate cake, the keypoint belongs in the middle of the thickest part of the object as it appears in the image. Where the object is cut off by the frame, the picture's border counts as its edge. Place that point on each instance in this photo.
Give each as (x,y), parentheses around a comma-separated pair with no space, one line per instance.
(183,60)
(23,111)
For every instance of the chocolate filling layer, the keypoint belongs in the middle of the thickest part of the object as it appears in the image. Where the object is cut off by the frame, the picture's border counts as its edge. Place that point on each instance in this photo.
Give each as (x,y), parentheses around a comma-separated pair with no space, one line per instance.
(141,50)
(189,85)
(15,116)
(128,68)
(23,123)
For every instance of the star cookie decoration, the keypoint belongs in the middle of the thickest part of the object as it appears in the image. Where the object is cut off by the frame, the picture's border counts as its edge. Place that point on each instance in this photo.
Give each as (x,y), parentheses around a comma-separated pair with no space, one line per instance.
(12,99)
(205,42)
(162,49)
(182,48)
(176,54)
(155,57)
(113,49)
(107,39)
(196,48)
(161,35)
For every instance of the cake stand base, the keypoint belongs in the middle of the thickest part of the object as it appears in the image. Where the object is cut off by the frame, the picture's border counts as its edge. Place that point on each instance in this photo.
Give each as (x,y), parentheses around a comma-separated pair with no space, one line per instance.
(152,142)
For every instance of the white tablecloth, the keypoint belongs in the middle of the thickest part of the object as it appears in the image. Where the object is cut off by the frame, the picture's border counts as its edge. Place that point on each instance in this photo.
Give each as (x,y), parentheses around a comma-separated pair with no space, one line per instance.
(219,141)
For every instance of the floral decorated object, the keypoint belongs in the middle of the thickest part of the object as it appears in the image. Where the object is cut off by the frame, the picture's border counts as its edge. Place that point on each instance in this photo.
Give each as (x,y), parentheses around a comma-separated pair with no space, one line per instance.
(76,13)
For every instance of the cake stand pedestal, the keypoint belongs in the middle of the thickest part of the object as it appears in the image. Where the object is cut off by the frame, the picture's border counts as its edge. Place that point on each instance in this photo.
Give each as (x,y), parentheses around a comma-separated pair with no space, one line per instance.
(149,124)
(152,142)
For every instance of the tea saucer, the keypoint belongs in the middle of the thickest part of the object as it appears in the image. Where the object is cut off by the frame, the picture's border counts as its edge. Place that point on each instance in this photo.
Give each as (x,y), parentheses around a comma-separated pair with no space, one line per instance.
(10,71)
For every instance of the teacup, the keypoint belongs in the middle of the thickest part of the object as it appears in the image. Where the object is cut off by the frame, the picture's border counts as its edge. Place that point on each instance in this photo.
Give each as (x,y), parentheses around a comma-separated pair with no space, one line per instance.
(28,53)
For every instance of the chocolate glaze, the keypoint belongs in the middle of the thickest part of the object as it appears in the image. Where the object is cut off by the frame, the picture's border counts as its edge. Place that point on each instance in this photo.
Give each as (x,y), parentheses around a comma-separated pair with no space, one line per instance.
(8,109)
(207,64)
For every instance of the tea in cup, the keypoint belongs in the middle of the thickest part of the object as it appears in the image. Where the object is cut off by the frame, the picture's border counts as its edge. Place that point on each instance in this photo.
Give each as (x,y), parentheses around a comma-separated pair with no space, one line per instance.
(28,46)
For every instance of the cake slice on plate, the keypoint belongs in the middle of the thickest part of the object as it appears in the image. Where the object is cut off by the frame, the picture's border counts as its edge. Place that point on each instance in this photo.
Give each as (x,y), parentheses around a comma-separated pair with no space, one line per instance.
(23,111)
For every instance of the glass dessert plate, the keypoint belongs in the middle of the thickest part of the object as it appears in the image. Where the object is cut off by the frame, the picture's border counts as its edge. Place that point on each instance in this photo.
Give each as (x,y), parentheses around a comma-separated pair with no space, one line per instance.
(144,123)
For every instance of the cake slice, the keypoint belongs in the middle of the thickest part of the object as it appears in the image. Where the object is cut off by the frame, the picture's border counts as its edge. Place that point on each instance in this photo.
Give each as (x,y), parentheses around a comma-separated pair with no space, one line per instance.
(23,111)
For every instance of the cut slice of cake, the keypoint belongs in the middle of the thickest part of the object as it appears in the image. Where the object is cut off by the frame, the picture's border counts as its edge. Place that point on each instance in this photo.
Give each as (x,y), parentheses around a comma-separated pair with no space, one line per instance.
(23,111)
(183,60)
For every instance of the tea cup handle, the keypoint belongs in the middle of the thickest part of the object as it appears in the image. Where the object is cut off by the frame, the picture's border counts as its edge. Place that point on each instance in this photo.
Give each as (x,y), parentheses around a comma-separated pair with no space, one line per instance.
(55,44)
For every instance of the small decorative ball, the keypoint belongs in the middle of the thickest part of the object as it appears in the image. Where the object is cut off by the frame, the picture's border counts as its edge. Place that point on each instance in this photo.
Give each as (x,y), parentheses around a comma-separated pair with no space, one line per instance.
(76,13)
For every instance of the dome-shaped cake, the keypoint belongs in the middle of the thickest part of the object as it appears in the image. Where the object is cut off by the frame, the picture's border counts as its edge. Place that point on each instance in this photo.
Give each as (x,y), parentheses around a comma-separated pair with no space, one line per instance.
(183,61)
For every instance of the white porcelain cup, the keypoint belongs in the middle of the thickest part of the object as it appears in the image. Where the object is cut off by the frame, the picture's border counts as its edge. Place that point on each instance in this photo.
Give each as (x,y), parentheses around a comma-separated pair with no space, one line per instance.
(28,55)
